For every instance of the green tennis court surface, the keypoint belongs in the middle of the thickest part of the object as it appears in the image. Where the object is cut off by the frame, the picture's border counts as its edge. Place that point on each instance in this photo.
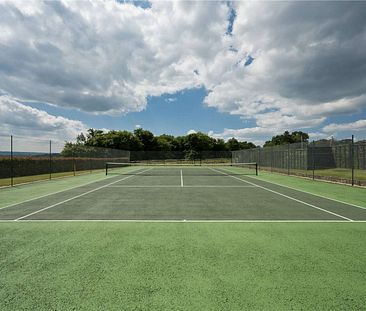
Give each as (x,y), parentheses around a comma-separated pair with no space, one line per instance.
(182,238)
(181,193)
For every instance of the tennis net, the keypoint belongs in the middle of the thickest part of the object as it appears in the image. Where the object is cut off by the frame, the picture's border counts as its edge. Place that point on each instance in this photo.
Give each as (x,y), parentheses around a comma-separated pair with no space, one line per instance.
(156,169)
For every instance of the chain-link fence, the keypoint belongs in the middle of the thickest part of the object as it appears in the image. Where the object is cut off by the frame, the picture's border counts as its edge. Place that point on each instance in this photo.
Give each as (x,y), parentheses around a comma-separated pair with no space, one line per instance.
(188,156)
(337,161)
(24,159)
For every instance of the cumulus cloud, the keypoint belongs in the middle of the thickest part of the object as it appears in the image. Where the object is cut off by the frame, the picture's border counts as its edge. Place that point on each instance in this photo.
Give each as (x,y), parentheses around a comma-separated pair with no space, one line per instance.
(283,65)
(105,57)
(359,125)
(22,120)
(191,132)
(309,64)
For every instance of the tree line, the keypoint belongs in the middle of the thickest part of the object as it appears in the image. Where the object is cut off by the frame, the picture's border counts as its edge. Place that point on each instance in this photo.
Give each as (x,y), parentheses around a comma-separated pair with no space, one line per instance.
(144,140)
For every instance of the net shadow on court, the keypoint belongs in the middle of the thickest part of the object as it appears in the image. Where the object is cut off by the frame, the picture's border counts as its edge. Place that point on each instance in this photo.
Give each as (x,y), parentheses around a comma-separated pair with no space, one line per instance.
(181,193)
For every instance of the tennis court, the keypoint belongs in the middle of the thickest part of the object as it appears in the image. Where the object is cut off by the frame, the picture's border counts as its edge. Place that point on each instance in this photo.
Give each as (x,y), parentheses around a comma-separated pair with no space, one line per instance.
(182,193)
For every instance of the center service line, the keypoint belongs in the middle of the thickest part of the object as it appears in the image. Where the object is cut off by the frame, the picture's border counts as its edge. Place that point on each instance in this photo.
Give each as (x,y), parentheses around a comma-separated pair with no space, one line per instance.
(181,179)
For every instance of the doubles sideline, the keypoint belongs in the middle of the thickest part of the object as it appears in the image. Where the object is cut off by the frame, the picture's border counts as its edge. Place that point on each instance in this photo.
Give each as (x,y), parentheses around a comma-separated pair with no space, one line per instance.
(79,195)
(285,196)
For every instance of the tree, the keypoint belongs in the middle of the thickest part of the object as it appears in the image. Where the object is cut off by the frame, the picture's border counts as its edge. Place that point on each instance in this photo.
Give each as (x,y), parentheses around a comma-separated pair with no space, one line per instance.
(287,138)
(146,138)
(219,145)
(198,142)
(165,142)
(233,144)
(143,140)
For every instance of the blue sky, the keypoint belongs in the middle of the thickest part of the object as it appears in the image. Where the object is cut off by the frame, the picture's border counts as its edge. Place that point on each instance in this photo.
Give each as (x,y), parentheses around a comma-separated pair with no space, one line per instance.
(174,67)
(167,114)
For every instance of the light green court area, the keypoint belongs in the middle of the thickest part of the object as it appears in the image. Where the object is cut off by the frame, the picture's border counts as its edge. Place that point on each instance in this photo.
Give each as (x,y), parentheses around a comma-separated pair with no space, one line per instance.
(182,266)
(311,263)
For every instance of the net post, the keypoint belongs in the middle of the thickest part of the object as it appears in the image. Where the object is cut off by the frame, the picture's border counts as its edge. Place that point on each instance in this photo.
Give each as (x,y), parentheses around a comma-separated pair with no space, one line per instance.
(256,169)
(106,169)
(50,160)
(74,165)
(352,159)
(11,162)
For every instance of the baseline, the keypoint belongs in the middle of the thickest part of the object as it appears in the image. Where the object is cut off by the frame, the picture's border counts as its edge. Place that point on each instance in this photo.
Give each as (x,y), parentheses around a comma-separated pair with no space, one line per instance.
(182,221)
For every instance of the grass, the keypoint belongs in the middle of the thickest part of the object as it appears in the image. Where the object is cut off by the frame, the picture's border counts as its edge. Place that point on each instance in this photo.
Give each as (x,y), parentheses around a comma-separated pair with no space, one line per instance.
(342,173)
(354,195)
(28,179)
(186,266)
(336,173)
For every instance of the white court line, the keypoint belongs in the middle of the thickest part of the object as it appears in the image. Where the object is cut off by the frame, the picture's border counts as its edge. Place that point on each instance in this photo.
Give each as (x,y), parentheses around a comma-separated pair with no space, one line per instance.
(185,221)
(80,195)
(318,195)
(286,196)
(56,192)
(185,186)
(181,178)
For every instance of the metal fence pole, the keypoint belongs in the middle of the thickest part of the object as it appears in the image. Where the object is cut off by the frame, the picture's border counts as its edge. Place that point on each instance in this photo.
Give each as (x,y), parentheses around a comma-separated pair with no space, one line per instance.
(288,159)
(352,159)
(50,159)
(271,154)
(11,162)
(313,159)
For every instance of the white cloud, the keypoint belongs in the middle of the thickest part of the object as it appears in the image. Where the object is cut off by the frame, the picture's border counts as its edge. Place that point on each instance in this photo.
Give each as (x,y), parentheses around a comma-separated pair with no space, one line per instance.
(256,135)
(105,57)
(191,132)
(37,125)
(308,64)
(359,125)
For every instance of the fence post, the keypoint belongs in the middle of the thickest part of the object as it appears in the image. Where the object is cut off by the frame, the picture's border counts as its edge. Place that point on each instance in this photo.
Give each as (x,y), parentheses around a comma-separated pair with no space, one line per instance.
(288,159)
(271,155)
(352,159)
(313,159)
(50,159)
(11,162)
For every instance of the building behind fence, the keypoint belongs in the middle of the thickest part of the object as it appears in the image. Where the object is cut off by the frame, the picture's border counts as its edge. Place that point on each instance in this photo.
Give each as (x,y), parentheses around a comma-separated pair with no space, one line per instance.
(339,161)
